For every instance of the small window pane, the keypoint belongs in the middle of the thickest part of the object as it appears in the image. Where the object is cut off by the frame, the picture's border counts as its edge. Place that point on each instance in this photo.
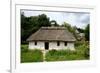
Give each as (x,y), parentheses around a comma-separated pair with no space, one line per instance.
(58,43)
(35,43)
(65,43)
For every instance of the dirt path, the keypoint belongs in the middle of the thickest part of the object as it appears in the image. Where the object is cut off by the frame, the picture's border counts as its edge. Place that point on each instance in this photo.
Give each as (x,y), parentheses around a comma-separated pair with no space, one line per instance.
(44,53)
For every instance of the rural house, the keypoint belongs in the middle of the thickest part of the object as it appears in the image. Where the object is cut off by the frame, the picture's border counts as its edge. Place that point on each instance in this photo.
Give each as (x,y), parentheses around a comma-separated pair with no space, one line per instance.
(47,38)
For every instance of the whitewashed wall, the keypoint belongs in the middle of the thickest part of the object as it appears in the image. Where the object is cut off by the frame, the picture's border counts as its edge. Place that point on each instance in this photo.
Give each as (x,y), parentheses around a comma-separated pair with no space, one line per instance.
(40,45)
(52,45)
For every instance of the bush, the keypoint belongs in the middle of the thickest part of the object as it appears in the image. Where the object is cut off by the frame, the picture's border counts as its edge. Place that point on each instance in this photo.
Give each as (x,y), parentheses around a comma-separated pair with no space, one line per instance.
(52,52)
(79,43)
(87,53)
(24,48)
(83,50)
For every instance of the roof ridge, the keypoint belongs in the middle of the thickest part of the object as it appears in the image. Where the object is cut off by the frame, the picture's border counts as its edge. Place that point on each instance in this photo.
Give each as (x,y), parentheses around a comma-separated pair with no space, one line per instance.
(55,28)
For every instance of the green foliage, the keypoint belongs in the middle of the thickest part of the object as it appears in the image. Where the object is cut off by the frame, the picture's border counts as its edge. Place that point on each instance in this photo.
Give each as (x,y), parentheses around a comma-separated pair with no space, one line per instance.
(87,53)
(81,53)
(68,27)
(80,30)
(79,43)
(83,50)
(60,55)
(52,52)
(24,48)
(31,24)
(43,20)
(87,31)
(30,55)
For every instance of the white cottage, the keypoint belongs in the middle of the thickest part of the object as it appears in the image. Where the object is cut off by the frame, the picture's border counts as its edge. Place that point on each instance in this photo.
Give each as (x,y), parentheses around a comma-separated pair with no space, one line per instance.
(48,38)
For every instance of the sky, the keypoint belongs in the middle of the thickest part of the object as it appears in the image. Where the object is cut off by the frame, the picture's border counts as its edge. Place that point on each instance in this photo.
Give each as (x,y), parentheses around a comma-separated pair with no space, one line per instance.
(78,19)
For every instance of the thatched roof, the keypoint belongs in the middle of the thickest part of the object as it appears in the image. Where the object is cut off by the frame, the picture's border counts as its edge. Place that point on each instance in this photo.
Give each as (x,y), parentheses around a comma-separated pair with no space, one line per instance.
(52,34)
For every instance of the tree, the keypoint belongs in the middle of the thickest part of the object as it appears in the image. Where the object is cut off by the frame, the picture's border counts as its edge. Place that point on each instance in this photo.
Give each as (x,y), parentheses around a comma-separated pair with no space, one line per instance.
(80,30)
(68,26)
(30,25)
(71,29)
(43,20)
(87,32)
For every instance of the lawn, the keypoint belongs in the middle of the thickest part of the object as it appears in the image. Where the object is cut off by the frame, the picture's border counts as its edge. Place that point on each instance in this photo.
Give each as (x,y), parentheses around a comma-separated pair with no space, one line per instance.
(65,55)
(81,53)
(30,55)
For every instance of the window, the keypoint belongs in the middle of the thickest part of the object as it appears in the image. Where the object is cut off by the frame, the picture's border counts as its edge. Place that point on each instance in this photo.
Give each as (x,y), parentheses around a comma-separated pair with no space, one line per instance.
(35,43)
(58,43)
(65,43)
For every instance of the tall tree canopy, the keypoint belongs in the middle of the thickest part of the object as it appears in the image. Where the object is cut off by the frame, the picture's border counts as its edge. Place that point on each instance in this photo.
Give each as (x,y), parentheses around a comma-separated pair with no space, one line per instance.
(31,24)
(80,30)
(69,27)
(87,32)
(43,20)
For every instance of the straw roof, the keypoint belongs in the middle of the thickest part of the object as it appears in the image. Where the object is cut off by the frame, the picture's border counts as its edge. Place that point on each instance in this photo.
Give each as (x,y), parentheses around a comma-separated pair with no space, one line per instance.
(52,34)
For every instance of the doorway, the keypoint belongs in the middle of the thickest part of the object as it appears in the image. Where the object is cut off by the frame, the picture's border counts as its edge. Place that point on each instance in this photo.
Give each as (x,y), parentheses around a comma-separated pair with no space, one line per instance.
(46,45)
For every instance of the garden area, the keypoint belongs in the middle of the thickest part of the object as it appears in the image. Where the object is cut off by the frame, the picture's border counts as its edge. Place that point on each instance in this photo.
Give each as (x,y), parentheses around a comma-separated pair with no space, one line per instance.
(81,53)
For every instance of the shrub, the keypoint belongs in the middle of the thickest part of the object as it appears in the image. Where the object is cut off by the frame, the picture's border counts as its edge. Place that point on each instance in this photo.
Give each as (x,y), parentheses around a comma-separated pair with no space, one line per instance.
(83,50)
(87,53)
(24,48)
(52,52)
(78,43)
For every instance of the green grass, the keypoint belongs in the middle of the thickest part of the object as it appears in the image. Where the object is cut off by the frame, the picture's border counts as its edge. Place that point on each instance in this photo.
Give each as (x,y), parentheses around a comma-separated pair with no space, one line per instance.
(81,53)
(31,56)
(24,48)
